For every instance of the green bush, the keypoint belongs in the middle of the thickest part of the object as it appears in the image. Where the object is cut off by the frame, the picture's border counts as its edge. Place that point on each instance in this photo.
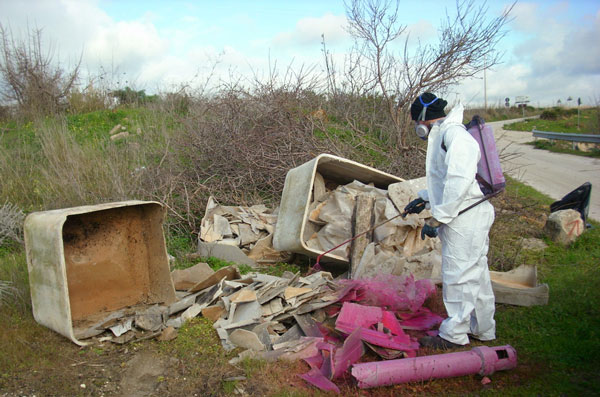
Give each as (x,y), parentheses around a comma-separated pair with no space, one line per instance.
(557,113)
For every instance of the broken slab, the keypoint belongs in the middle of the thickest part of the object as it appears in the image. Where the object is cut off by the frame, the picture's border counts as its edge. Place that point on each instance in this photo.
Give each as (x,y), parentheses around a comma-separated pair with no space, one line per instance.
(308,326)
(151,319)
(213,312)
(183,303)
(263,252)
(167,334)
(225,252)
(362,222)
(243,296)
(344,357)
(122,327)
(246,340)
(291,292)
(186,278)
(262,330)
(227,273)
(519,287)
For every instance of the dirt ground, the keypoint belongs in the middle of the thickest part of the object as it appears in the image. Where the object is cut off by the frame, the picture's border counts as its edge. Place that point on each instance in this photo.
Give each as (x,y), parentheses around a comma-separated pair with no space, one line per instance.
(43,363)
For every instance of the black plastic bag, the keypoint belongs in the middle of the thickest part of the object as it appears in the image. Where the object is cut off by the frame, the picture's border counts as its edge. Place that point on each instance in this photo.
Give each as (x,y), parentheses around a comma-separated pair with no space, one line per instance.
(578,199)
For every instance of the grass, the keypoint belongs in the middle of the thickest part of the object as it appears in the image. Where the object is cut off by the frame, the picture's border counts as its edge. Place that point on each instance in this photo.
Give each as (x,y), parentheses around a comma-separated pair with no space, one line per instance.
(558,345)
(588,123)
(563,147)
(73,161)
(565,122)
(498,113)
(562,338)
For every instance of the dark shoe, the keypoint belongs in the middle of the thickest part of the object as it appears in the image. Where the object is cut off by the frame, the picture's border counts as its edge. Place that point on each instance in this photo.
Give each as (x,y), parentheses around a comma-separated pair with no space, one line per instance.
(436,342)
(473,337)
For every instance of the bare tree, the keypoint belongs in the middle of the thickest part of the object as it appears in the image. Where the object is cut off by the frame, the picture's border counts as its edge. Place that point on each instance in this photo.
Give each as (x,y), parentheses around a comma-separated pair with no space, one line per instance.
(466,45)
(30,77)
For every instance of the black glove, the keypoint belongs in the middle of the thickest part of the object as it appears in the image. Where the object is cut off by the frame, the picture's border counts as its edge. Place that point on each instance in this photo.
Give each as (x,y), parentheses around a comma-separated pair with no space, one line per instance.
(415,206)
(429,231)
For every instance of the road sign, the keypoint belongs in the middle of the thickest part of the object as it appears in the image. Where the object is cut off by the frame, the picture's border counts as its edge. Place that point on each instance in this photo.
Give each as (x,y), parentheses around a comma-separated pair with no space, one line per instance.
(522,99)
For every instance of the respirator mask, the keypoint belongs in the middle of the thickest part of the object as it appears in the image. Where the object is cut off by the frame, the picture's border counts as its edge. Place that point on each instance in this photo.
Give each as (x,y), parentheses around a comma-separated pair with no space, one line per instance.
(421,129)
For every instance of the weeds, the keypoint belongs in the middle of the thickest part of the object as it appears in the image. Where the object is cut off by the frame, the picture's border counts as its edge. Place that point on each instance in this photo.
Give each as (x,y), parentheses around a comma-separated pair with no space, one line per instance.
(567,122)
(14,280)
(11,224)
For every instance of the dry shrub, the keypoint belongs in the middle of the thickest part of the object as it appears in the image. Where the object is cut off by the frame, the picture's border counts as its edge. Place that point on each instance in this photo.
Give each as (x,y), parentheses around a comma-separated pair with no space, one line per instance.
(57,171)
(88,99)
(239,144)
(11,221)
(77,174)
(31,76)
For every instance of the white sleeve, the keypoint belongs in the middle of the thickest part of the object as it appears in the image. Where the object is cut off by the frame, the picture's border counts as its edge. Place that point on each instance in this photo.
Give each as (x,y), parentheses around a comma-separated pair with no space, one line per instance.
(424,194)
(461,160)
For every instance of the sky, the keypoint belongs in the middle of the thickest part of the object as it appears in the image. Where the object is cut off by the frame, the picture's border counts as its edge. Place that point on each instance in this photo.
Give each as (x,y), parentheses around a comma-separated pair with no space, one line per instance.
(551,50)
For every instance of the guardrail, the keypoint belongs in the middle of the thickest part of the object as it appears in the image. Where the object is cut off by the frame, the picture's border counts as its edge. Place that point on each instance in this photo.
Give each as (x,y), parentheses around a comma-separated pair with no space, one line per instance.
(589,138)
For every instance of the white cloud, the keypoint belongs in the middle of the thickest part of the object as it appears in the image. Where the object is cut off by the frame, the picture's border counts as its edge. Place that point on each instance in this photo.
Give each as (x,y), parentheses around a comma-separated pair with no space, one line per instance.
(130,44)
(553,56)
(308,31)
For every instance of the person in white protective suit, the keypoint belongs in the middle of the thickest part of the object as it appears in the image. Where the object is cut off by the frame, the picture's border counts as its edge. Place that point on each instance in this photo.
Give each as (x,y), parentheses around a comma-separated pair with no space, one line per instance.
(451,165)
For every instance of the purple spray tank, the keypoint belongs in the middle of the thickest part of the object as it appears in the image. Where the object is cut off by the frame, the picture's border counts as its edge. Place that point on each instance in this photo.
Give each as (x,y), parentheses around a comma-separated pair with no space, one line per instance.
(489,171)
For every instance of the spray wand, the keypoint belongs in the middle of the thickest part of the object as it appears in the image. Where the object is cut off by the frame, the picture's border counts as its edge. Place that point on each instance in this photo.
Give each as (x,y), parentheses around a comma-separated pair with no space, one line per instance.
(317,265)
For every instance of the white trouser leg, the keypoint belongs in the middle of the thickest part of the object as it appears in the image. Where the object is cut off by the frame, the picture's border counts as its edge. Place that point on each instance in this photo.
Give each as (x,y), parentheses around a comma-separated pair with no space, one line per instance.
(467,292)
(483,325)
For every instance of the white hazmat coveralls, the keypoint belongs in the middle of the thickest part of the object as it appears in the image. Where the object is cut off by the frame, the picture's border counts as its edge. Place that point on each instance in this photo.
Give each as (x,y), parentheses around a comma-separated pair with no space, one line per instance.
(451,187)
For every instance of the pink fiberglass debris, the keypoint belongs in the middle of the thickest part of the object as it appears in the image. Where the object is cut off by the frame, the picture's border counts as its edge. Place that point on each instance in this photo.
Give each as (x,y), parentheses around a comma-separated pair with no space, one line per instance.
(315,361)
(374,337)
(354,316)
(332,362)
(360,315)
(390,354)
(393,292)
(316,378)
(390,321)
(481,360)
(348,354)
(423,320)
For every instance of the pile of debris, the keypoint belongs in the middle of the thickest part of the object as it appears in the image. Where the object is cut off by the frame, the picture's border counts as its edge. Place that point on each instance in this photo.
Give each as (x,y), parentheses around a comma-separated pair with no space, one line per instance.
(289,317)
(119,132)
(250,229)
(394,247)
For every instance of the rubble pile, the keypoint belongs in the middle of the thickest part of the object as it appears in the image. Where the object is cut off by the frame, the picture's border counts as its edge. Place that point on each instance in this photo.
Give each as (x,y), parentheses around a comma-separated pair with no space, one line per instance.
(395,247)
(247,228)
(315,318)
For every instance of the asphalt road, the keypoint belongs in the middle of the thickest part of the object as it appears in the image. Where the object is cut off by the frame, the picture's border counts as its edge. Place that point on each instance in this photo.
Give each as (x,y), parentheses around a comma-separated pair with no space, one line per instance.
(554,174)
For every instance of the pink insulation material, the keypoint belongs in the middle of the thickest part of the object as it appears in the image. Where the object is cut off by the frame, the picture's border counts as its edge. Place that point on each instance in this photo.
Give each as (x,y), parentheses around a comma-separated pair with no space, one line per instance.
(373,312)
(422,320)
(348,354)
(317,379)
(332,362)
(359,315)
(390,322)
(393,292)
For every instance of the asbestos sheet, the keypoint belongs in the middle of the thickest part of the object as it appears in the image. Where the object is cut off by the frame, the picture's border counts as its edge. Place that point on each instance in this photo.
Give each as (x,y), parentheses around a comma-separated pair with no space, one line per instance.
(353,314)
(228,273)
(187,278)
